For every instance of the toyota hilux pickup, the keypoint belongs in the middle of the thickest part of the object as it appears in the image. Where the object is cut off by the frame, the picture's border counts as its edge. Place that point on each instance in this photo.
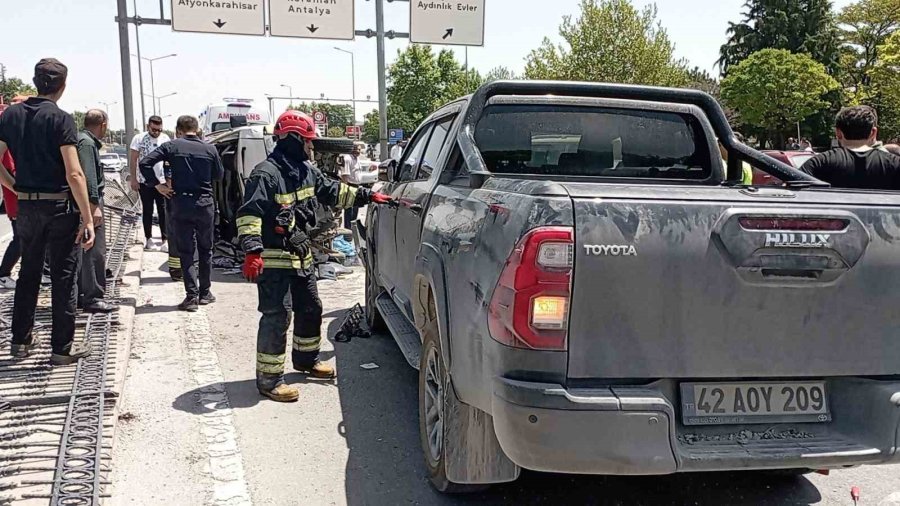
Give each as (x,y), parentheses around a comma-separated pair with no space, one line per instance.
(586,287)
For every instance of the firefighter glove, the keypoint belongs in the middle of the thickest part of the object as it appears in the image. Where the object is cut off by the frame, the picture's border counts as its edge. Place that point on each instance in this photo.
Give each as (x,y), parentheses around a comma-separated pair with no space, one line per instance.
(299,243)
(381,198)
(253,266)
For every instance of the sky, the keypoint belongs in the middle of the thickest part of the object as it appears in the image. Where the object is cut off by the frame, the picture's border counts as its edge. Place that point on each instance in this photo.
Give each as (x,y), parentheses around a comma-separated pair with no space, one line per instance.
(208,67)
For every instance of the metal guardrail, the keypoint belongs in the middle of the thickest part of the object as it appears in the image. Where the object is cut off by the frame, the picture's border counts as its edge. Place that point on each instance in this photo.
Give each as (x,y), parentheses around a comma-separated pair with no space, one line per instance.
(55,423)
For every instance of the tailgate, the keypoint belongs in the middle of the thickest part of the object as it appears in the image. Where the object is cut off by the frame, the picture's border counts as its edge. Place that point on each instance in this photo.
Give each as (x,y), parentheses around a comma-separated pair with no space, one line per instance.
(675,289)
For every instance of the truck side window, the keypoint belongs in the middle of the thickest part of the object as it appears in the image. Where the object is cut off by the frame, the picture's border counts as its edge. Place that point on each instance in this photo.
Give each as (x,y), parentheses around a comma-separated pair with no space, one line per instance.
(413,154)
(435,146)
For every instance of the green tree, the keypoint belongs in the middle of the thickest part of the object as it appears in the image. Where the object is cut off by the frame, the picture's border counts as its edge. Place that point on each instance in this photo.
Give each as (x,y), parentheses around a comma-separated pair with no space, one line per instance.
(500,73)
(397,118)
(610,41)
(339,115)
(884,78)
(865,27)
(336,132)
(13,86)
(799,26)
(774,89)
(79,119)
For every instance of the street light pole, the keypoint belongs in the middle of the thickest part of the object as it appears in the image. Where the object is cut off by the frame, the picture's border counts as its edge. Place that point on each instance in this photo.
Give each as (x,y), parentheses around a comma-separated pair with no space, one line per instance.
(352,78)
(290,93)
(152,81)
(159,99)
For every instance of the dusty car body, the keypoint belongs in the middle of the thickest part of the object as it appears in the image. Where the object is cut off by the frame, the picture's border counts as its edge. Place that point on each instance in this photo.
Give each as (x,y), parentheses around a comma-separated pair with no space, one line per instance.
(584,288)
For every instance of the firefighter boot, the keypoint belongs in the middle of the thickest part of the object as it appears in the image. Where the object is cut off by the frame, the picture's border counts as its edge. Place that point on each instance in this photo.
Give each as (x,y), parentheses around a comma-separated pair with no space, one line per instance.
(319,370)
(281,393)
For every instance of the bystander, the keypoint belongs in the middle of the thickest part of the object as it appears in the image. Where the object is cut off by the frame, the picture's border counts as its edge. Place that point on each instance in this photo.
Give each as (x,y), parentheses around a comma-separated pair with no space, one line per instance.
(48,178)
(859,162)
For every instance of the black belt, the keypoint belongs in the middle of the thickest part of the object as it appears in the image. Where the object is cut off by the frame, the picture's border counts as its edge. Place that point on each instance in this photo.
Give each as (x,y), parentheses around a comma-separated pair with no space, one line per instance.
(42,196)
(185,194)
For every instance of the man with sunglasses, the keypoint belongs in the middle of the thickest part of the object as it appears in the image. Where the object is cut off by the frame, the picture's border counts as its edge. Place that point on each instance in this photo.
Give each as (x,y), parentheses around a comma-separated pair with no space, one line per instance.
(279,211)
(142,145)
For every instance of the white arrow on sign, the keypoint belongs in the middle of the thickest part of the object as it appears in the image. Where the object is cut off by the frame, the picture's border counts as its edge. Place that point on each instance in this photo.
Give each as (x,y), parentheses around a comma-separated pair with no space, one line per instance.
(330,19)
(241,17)
(450,22)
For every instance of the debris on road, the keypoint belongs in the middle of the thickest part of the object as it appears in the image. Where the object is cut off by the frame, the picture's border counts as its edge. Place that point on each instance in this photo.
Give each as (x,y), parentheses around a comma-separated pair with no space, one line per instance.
(369,366)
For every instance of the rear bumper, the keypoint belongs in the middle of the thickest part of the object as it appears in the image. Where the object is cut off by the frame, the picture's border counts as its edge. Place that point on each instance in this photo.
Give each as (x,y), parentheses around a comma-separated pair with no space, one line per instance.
(635,431)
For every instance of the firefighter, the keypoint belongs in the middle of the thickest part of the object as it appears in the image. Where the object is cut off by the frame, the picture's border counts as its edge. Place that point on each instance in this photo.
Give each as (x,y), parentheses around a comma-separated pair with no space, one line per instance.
(278,213)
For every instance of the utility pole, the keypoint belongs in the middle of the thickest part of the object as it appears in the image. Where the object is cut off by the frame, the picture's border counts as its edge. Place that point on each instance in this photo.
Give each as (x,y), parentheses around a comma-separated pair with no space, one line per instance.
(125,60)
(382,82)
(137,41)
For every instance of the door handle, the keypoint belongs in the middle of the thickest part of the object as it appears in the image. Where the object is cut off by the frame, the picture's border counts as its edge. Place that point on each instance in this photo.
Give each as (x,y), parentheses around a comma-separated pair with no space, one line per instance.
(416,208)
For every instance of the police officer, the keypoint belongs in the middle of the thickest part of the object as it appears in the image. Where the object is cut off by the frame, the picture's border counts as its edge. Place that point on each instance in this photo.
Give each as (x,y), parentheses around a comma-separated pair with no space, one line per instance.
(280,200)
(191,165)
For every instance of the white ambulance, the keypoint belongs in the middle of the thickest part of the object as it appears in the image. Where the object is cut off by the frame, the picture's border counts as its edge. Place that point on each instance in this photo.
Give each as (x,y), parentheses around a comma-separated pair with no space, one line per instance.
(217,117)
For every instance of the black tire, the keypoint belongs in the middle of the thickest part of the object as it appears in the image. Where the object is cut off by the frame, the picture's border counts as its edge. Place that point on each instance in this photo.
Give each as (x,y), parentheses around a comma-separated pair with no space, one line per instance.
(373,291)
(333,145)
(431,360)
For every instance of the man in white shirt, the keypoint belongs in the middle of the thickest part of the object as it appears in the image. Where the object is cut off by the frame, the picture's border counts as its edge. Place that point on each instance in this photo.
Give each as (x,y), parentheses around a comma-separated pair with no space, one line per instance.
(349,174)
(142,145)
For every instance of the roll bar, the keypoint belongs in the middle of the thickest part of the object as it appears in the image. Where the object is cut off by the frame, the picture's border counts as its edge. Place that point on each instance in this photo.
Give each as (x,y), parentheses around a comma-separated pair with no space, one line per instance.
(478,101)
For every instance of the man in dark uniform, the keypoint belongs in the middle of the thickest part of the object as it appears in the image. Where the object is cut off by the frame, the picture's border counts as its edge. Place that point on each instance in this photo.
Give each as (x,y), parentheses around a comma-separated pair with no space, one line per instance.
(191,165)
(42,139)
(279,210)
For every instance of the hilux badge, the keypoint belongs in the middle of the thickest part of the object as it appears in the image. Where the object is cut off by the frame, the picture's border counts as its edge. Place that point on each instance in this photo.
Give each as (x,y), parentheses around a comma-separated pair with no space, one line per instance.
(788,240)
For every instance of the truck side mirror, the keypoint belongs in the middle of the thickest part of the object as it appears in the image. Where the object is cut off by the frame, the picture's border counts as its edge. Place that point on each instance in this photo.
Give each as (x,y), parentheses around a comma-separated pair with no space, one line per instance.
(387,170)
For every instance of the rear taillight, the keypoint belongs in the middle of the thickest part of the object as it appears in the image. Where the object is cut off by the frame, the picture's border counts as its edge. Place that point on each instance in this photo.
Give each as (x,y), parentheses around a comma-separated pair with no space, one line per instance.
(530,306)
(794,224)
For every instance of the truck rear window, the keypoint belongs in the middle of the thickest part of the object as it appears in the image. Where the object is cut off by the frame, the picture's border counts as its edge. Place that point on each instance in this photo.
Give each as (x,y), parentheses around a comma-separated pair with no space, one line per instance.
(592,141)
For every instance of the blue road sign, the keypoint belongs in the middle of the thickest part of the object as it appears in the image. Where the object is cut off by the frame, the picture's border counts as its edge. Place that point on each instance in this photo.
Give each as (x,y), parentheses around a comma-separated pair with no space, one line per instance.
(395,135)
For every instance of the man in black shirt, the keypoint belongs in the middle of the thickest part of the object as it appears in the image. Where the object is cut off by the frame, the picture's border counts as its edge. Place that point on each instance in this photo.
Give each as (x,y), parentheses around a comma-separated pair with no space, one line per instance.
(48,178)
(860,162)
(191,165)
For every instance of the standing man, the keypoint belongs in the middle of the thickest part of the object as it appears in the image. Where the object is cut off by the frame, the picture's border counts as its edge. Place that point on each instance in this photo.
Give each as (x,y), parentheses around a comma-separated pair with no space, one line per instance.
(860,161)
(141,146)
(349,174)
(192,165)
(279,211)
(92,278)
(48,178)
(11,203)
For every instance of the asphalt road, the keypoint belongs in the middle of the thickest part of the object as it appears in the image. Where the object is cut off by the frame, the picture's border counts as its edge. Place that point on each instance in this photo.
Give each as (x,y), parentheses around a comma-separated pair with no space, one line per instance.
(354,441)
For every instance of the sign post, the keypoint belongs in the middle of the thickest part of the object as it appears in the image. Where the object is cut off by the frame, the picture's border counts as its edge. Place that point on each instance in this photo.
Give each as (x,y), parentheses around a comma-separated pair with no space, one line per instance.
(458,23)
(321,121)
(246,17)
(332,20)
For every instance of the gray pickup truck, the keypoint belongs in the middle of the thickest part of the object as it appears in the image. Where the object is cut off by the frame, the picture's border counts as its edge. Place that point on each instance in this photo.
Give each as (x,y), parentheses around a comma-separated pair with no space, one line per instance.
(586,287)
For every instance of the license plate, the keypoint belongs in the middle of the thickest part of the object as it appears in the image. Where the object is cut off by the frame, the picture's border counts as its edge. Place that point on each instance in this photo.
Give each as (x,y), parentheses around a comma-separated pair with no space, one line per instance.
(753,402)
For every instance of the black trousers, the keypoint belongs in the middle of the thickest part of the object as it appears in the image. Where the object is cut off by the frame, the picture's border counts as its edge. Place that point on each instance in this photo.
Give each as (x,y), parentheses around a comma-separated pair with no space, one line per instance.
(47,225)
(174,257)
(283,292)
(13,252)
(150,196)
(92,275)
(194,218)
(350,215)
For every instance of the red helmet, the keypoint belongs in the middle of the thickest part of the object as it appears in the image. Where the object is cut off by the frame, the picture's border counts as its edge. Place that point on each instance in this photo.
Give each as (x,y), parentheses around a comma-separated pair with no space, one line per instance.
(296,122)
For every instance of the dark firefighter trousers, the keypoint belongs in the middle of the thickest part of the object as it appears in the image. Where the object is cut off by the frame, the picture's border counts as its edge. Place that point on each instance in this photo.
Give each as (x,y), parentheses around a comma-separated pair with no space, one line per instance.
(193,219)
(281,293)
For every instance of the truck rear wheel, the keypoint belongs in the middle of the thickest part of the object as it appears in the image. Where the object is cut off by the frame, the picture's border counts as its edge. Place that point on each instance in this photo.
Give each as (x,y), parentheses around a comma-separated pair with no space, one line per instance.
(373,291)
(437,401)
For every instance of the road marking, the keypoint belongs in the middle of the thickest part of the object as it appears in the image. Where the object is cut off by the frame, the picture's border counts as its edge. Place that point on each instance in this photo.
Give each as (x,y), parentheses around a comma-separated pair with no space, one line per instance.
(225,467)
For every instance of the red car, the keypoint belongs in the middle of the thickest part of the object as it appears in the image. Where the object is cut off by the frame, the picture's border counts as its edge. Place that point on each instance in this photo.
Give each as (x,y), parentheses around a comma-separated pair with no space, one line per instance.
(795,159)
